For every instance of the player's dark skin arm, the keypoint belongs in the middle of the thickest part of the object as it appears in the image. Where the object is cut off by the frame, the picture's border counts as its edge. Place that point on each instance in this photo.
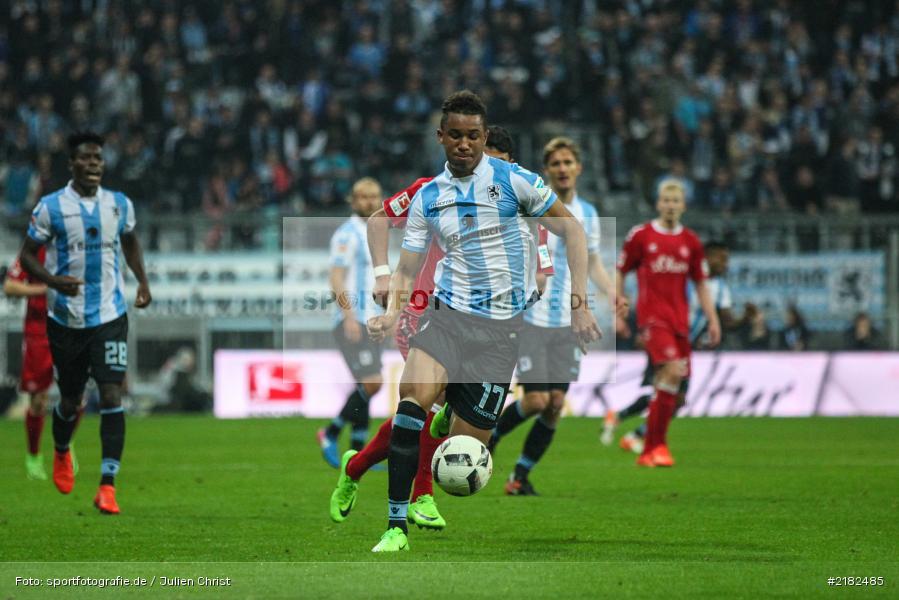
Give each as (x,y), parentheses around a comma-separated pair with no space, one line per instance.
(134,256)
(28,257)
(563,224)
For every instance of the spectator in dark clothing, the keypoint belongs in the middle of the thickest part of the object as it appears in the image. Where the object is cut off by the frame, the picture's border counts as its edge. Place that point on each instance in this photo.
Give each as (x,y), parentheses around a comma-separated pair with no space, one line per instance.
(862,335)
(795,335)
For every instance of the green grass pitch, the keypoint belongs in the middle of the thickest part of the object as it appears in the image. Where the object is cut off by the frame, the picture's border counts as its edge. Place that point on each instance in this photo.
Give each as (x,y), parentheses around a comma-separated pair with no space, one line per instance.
(755,507)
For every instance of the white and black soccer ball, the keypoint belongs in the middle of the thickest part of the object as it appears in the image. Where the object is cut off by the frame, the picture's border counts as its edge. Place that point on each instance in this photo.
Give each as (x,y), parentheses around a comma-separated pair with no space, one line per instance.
(461,465)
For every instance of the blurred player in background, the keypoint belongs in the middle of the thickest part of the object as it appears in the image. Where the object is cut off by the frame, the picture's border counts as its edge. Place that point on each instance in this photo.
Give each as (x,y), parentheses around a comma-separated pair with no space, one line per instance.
(83,227)
(718,257)
(467,341)
(351,285)
(423,510)
(37,362)
(549,357)
(665,254)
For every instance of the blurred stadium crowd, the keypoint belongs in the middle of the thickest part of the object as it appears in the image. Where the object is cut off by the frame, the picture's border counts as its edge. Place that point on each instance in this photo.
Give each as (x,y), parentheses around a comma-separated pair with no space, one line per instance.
(234,106)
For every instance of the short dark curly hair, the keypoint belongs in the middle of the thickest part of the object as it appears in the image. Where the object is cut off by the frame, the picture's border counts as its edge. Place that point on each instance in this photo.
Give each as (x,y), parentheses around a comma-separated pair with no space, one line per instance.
(83,137)
(464,102)
(500,138)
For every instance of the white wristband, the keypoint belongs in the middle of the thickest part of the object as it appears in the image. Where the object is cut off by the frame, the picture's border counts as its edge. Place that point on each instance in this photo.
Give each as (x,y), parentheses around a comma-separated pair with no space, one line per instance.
(382,270)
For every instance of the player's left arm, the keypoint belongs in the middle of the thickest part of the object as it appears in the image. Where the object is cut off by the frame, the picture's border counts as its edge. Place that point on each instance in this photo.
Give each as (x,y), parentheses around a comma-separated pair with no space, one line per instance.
(699,272)
(134,256)
(708,308)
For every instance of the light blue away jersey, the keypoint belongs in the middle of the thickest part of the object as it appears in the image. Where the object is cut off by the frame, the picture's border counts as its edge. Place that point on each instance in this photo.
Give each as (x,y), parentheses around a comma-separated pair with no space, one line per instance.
(554,308)
(83,239)
(477,220)
(349,249)
(721,296)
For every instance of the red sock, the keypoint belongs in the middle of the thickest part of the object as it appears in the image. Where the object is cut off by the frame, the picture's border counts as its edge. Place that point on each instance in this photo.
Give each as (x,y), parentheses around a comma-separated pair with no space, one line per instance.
(652,428)
(427,446)
(34,426)
(667,406)
(374,452)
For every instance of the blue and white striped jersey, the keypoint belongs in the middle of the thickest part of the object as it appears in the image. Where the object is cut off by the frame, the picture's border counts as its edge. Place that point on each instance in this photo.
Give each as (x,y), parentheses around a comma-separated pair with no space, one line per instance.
(349,249)
(83,239)
(720,292)
(490,257)
(554,308)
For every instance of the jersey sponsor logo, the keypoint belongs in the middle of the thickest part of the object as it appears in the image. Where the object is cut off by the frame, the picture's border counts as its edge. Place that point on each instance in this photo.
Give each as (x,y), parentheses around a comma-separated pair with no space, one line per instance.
(668,264)
(399,204)
(494,193)
(443,203)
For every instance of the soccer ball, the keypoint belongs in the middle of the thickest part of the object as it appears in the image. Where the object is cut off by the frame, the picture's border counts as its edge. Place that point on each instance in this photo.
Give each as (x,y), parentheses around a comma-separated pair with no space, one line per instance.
(461,465)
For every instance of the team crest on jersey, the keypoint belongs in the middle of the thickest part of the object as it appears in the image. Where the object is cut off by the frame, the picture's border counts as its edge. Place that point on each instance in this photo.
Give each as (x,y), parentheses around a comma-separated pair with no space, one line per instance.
(653,247)
(494,193)
(399,204)
(684,252)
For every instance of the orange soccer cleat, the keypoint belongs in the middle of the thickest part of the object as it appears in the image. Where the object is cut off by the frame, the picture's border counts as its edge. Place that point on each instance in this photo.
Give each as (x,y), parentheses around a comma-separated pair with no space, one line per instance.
(645,460)
(63,474)
(661,457)
(105,500)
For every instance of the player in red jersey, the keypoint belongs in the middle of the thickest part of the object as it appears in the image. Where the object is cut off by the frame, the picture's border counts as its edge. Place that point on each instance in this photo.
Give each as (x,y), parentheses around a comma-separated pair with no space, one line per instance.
(665,254)
(423,511)
(37,363)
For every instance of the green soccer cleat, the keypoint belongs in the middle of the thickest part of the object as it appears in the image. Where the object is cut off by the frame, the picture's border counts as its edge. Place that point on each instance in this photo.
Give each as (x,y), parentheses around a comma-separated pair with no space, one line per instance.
(423,512)
(440,424)
(343,498)
(74,458)
(393,540)
(34,467)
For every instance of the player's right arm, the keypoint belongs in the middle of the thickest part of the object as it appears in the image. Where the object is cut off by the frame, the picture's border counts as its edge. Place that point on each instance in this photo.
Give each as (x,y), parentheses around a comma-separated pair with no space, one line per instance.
(40,231)
(401,283)
(415,245)
(378,242)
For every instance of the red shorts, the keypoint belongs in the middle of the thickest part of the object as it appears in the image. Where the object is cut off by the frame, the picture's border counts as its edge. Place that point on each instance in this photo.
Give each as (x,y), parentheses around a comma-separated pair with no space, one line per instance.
(406,327)
(37,364)
(664,345)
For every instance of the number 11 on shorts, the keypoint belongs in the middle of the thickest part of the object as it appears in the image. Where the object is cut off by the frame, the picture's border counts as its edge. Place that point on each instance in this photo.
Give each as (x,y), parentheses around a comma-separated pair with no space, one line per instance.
(500,396)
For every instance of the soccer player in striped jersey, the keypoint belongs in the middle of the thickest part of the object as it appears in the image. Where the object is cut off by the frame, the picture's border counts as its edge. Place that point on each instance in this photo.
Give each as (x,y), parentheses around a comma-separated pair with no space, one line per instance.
(423,510)
(717,256)
(351,284)
(84,227)
(549,358)
(467,340)
(665,254)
